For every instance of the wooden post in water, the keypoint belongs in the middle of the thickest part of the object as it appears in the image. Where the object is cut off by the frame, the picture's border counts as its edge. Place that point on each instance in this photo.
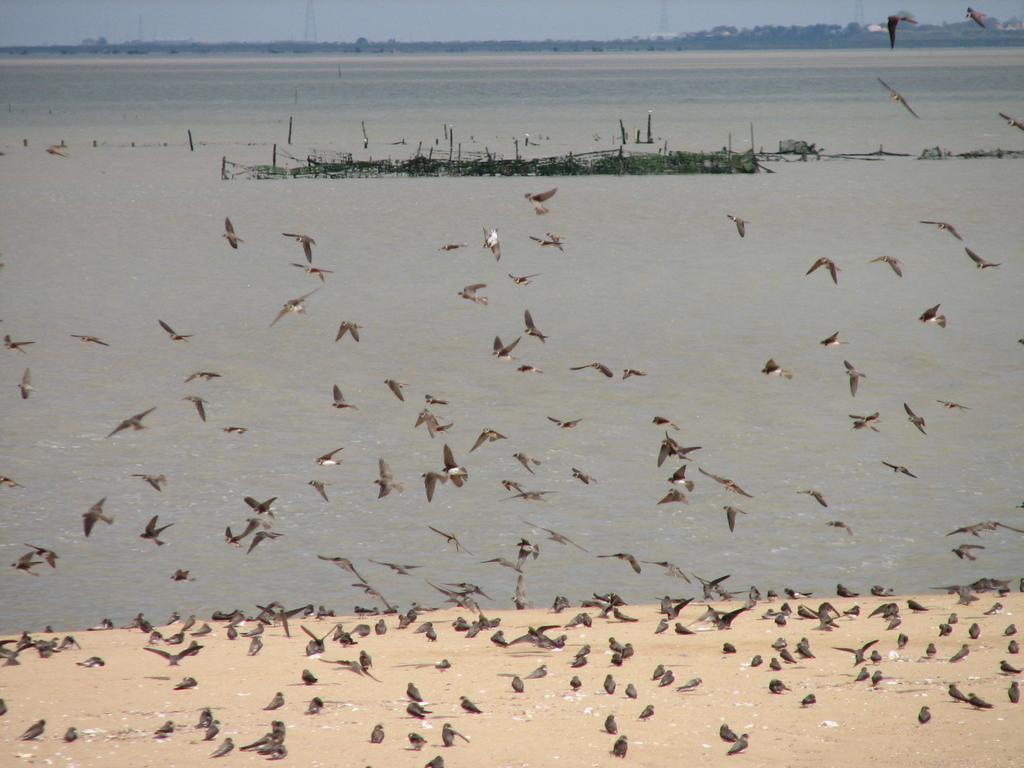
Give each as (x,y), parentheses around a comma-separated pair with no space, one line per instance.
(650,138)
(289,130)
(622,130)
(190,147)
(637,136)
(516,142)
(24,142)
(273,158)
(460,151)
(366,139)
(223,167)
(451,142)
(419,147)
(752,138)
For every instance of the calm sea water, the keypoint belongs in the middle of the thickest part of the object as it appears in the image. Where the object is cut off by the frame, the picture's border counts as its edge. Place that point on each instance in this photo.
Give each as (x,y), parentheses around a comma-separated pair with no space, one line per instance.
(653,276)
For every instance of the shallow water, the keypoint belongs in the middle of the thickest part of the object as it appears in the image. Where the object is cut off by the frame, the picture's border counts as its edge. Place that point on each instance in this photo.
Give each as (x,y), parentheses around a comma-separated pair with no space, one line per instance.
(110,240)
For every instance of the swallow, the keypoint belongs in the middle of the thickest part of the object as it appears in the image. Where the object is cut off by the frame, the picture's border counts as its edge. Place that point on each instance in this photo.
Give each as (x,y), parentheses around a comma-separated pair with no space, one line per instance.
(522,279)
(829,265)
(771,368)
(946,227)
(350,327)
(679,478)
(728,484)
(840,524)
(386,482)
(964,551)
(415,709)
(855,376)
(457,474)
(16,345)
(690,685)
(48,555)
(186,683)
(1008,669)
(951,406)
(452,539)
(564,424)
(776,686)
(610,726)
(198,402)
(932,315)
(502,351)
(25,386)
(152,532)
(320,487)
(977,528)
(173,659)
(448,735)
(741,224)
(661,421)
(901,469)
(306,242)
(229,234)
(620,747)
(452,246)
(556,536)
(961,654)
(627,558)
(1012,121)
(670,447)
(57,149)
(891,24)
(26,563)
(132,422)
(262,536)
(531,328)
(431,422)
(976,701)
(401,570)
(914,419)
(866,422)
(647,712)
(174,335)
(94,514)
(924,715)
(339,400)
(487,436)
(526,461)
(344,563)
(492,242)
(537,200)
(818,496)
(858,653)
(34,731)
(596,366)
(470,293)
(979,262)
(236,430)
(396,388)
(550,241)
(1014,692)
(898,98)
(740,745)
(583,477)
(529,496)
(975,16)
(416,741)
(230,538)
(297,306)
(377,734)
(628,373)
(895,264)
(85,339)
(674,496)
(314,271)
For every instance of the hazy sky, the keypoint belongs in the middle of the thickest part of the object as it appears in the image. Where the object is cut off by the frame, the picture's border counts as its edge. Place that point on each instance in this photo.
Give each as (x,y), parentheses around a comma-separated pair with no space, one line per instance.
(28,22)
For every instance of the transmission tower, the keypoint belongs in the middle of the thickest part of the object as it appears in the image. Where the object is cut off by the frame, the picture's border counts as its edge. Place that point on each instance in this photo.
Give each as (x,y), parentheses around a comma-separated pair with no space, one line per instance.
(858,12)
(310,33)
(663,27)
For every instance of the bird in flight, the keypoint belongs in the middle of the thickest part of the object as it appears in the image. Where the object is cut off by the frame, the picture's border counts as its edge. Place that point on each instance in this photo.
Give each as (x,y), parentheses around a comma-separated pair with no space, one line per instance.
(1012,121)
(891,24)
(229,234)
(975,16)
(945,226)
(538,199)
(898,97)
(293,305)
(741,224)
(305,241)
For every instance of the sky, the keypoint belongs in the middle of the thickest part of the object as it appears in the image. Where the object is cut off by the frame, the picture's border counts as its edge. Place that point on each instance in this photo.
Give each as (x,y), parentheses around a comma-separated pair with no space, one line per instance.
(61,22)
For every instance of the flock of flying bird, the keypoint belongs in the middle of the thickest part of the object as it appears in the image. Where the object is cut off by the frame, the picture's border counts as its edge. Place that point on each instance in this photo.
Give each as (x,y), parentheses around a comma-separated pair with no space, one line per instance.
(260,526)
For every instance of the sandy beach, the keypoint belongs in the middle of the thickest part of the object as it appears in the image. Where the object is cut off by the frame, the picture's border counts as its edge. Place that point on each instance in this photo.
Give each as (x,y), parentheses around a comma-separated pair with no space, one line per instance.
(118,707)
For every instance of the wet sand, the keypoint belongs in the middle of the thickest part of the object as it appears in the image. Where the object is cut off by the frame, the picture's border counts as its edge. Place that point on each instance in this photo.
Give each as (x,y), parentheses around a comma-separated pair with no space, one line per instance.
(118,707)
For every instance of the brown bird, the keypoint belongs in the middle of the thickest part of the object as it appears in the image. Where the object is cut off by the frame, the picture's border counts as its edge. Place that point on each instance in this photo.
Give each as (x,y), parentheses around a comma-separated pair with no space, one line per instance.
(897,96)
(229,234)
(679,478)
(891,24)
(556,536)
(840,524)
(931,315)
(386,482)
(898,468)
(818,496)
(597,367)
(207,375)
(16,345)
(855,376)
(979,262)
(396,388)
(728,484)
(522,279)
(174,336)
(828,264)
(261,507)
(964,551)
(328,460)
(1012,121)
(297,306)
(550,241)
(538,199)
(132,422)
(487,436)
(564,424)
(730,516)
(47,554)
(975,16)
(674,496)
(526,461)
(306,242)
(670,447)
(350,327)
(946,227)
(771,368)
(866,422)
(503,351)
(661,421)
(990,525)
(914,419)
(89,339)
(452,246)
(741,224)
(94,514)
(469,293)
(320,487)
(951,406)
(452,539)
(57,149)
(892,261)
(492,242)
